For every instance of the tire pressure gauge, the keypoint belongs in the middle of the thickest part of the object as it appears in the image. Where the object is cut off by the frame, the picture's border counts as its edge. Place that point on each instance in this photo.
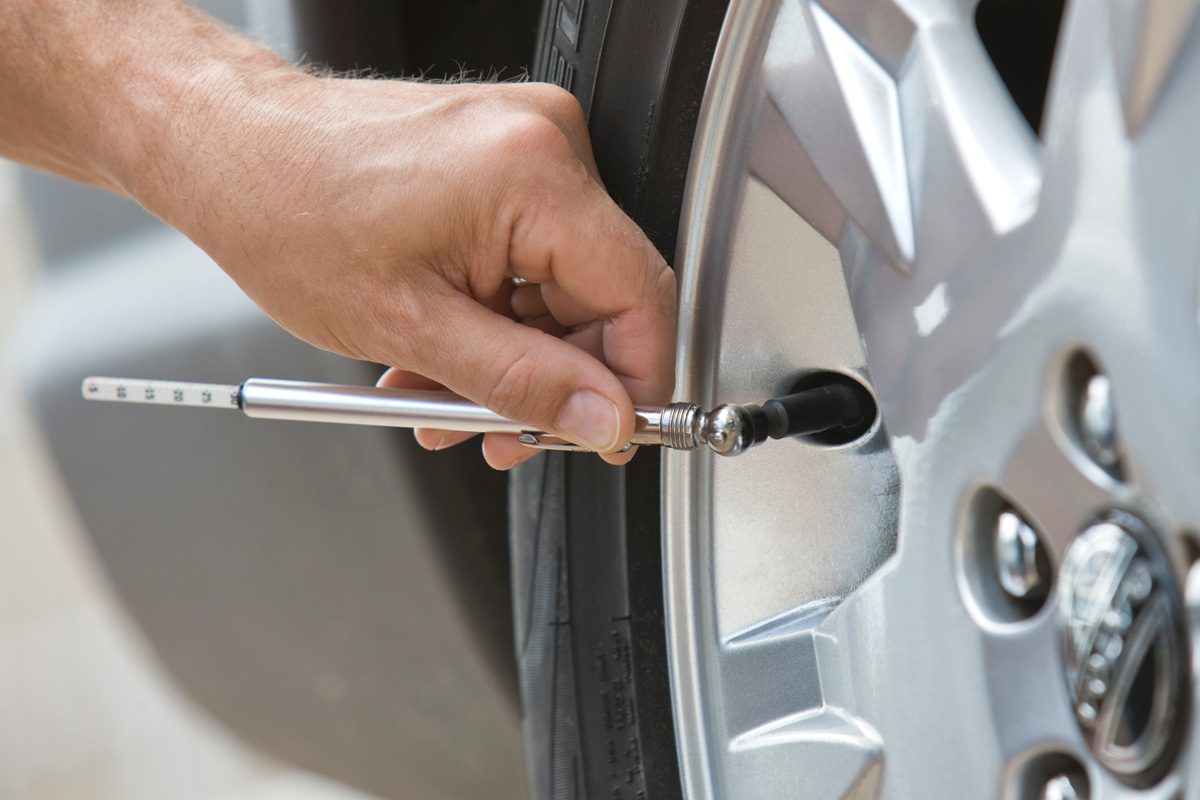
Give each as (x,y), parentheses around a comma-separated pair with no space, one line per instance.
(727,429)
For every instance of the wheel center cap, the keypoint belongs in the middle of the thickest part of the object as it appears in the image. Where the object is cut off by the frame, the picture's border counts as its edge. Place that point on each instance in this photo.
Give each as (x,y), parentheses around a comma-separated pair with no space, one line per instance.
(1126,647)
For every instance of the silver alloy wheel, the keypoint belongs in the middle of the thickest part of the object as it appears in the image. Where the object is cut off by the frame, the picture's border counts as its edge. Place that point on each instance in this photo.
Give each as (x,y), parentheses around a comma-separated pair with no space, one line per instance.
(865,198)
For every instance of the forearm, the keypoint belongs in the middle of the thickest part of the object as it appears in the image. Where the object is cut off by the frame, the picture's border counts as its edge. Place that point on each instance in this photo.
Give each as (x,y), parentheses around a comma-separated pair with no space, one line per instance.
(119,93)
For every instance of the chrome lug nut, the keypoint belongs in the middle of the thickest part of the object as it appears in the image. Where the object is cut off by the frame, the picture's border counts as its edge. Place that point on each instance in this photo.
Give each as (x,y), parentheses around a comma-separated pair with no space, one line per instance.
(1098,422)
(1062,787)
(1016,551)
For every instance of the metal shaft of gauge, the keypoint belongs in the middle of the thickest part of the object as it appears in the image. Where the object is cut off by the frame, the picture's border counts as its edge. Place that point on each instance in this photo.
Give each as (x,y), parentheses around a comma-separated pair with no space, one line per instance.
(728,429)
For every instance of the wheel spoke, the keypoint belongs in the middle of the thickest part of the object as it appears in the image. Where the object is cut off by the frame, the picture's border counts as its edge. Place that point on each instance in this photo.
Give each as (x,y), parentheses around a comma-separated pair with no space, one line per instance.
(1146,39)
(843,108)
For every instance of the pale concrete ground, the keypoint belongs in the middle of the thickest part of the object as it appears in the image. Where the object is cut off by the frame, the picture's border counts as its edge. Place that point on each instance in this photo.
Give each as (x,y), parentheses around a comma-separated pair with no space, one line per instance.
(85,712)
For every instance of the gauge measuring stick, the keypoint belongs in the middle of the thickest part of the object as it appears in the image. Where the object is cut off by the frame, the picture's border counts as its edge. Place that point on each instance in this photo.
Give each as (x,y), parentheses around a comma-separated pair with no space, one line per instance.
(727,429)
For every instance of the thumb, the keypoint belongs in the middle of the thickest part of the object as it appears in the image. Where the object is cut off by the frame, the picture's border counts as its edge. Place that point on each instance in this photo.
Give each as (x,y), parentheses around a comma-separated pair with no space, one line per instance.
(529,376)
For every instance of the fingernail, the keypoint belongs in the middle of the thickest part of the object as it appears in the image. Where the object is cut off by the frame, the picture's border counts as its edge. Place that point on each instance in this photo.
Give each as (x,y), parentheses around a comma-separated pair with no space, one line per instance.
(437,444)
(592,420)
(517,460)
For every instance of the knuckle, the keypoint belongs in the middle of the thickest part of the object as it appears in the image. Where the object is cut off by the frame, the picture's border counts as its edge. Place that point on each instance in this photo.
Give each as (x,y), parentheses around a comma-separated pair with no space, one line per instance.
(410,325)
(560,103)
(655,283)
(662,286)
(517,130)
(515,390)
(537,212)
(526,145)
(533,131)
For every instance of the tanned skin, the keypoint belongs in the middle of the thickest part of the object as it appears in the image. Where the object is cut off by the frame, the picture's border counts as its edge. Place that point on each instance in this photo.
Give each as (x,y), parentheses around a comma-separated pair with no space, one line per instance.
(376,219)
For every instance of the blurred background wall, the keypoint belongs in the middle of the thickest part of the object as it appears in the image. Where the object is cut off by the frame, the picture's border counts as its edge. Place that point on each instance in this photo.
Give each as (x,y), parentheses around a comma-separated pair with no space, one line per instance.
(326,592)
(86,712)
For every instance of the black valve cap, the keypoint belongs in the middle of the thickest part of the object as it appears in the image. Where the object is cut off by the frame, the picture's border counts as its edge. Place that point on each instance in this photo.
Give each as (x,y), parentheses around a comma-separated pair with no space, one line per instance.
(817,409)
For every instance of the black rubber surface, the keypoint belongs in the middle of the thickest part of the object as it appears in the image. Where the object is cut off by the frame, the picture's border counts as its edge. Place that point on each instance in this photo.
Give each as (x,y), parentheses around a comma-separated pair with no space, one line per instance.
(586,551)
(436,39)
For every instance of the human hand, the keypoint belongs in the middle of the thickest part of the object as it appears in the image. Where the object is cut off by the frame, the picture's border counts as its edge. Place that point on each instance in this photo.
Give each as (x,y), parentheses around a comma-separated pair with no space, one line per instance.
(383,219)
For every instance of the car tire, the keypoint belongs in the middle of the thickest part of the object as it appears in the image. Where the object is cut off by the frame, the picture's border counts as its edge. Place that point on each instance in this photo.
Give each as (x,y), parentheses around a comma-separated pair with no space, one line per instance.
(587,563)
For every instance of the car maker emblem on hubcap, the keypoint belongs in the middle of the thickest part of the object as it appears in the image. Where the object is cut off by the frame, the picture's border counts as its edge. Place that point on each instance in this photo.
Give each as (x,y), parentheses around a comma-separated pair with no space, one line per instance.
(1126,646)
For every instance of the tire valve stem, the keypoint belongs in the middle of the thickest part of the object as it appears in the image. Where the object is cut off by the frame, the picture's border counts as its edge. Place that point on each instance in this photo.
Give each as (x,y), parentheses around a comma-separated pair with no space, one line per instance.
(731,429)
(727,429)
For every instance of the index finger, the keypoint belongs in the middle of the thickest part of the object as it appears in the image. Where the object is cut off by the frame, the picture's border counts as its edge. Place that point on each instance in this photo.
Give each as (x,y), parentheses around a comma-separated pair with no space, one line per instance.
(611,276)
